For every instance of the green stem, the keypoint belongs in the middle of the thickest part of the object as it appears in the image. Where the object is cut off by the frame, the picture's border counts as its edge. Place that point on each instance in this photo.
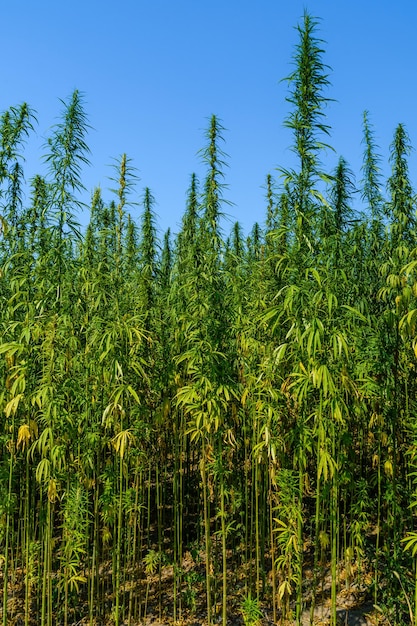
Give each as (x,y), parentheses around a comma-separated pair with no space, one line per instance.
(6,548)
(206,533)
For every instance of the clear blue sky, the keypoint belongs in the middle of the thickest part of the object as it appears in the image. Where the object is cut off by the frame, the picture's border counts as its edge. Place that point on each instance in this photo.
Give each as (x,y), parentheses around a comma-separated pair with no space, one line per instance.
(153,73)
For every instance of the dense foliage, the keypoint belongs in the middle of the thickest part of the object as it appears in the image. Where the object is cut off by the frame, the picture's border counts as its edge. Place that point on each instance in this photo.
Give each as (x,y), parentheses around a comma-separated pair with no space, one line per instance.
(238,414)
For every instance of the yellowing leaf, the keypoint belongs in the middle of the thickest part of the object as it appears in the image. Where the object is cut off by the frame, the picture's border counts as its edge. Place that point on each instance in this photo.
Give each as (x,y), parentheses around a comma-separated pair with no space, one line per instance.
(388,468)
(23,436)
(12,405)
(284,589)
(122,441)
(52,490)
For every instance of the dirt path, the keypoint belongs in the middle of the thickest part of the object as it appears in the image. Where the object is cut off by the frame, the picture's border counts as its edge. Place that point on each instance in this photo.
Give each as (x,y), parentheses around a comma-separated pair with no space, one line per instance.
(353,616)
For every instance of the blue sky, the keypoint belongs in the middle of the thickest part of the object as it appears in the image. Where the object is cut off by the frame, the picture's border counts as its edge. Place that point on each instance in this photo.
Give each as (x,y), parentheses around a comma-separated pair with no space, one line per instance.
(154,72)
